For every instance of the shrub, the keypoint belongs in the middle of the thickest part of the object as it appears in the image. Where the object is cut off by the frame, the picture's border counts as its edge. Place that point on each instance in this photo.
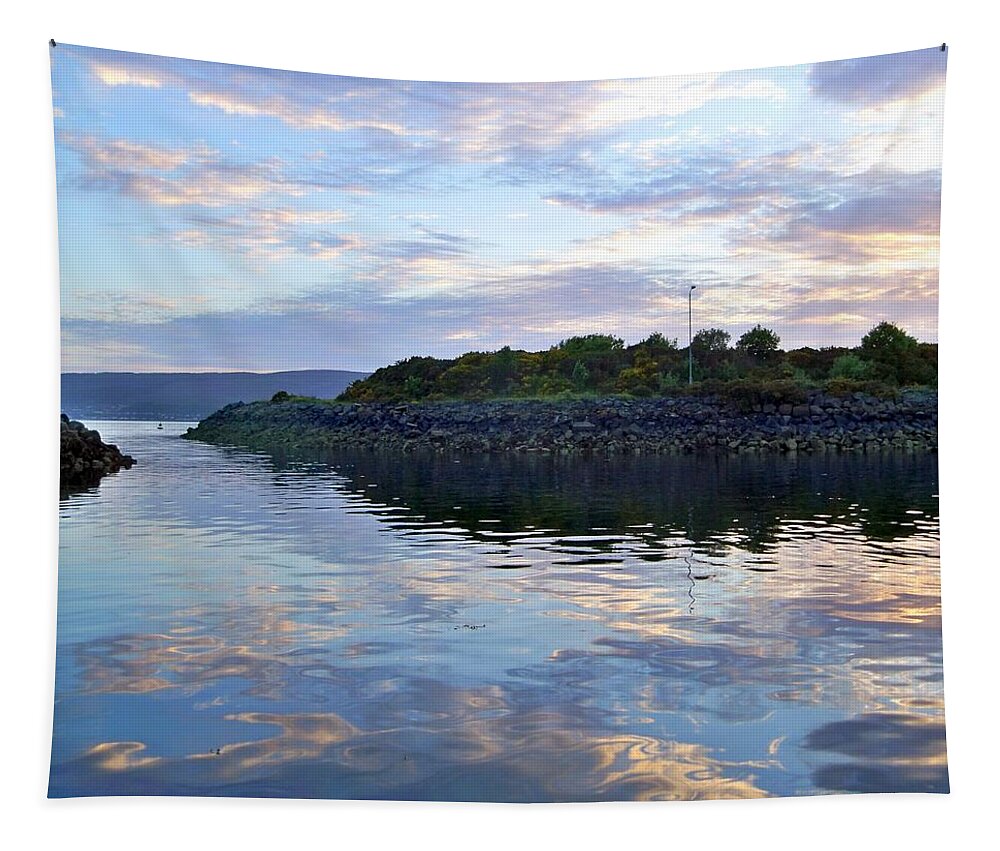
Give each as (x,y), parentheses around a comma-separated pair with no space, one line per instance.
(502,369)
(636,381)
(852,367)
(726,371)
(816,363)
(708,387)
(413,386)
(750,395)
(581,376)
(600,363)
(848,386)
(668,381)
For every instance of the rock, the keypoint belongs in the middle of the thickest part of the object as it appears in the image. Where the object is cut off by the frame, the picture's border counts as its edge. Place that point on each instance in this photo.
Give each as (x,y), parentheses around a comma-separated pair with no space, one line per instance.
(84,459)
(673,424)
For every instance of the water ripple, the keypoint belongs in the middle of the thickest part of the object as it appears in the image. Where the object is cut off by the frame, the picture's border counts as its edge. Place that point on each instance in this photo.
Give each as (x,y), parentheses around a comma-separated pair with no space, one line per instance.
(499,628)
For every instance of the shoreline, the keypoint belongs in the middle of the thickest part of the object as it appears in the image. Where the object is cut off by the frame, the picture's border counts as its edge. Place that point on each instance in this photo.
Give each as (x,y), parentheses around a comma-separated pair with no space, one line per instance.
(675,424)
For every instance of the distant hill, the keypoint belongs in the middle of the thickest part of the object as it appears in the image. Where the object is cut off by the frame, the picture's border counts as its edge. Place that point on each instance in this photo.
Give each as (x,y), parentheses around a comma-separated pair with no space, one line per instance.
(187,395)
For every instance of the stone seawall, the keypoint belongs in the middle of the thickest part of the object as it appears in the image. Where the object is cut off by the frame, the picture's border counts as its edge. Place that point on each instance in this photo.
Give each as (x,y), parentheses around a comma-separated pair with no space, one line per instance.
(674,424)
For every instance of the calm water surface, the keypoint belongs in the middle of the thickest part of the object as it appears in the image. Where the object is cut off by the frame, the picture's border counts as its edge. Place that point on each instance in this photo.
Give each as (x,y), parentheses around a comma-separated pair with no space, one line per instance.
(498,628)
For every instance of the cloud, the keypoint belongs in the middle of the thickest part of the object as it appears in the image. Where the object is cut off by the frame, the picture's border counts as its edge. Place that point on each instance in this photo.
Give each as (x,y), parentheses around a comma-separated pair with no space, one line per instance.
(107,305)
(216,185)
(664,97)
(186,176)
(556,131)
(292,114)
(298,100)
(290,218)
(800,203)
(912,145)
(837,309)
(270,234)
(543,129)
(432,244)
(328,246)
(279,233)
(879,79)
(116,74)
(383,307)
(877,216)
(811,212)
(130,156)
(403,306)
(892,752)
(686,183)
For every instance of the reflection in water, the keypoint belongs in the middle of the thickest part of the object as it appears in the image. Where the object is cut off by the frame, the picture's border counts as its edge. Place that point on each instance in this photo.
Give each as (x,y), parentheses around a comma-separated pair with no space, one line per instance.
(539,755)
(892,752)
(645,628)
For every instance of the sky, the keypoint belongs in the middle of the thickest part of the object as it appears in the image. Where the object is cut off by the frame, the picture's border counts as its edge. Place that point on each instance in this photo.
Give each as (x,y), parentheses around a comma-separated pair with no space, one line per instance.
(219,217)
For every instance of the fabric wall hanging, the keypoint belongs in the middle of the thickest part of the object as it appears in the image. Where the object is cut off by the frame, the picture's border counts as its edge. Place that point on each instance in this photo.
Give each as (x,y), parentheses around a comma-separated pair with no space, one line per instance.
(562,441)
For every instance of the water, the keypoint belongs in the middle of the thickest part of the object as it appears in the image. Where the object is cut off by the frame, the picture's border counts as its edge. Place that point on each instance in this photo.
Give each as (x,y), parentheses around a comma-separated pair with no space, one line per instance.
(513,628)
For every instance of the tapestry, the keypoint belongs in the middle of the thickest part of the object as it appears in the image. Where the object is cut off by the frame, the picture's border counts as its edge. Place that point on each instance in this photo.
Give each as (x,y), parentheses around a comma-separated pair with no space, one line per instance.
(500,442)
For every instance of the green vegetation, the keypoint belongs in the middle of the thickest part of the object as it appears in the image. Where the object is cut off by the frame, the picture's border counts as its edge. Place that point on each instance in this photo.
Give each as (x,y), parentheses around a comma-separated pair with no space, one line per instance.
(754,371)
(759,343)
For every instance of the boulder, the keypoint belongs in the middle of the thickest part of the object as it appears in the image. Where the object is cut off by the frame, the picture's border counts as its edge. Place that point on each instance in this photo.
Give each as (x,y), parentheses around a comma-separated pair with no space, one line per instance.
(84,459)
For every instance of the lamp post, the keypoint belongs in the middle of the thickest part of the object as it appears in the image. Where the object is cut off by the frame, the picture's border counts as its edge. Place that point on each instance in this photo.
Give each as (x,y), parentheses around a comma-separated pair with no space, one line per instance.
(690,338)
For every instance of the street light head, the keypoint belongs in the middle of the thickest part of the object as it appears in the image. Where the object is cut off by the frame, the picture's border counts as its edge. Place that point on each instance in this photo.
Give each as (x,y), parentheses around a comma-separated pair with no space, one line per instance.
(694,286)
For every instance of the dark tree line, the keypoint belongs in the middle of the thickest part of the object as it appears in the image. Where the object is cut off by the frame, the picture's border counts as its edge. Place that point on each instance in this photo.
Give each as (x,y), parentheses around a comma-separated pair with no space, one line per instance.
(600,364)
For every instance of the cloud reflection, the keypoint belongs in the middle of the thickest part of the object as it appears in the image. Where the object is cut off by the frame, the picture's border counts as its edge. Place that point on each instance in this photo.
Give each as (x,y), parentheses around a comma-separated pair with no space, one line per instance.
(539,755)
(304,619)
(890,752)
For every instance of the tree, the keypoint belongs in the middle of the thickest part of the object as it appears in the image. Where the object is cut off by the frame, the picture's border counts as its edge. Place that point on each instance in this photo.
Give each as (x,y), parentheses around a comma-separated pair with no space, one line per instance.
(581,376)
(896,356)
(886,341)
(710,340)
(758,342)
(658,343)
(592,344)
(502,369)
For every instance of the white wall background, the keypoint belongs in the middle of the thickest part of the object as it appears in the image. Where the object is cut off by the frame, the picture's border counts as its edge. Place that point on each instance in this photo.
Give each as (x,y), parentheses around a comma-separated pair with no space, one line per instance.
(504,40)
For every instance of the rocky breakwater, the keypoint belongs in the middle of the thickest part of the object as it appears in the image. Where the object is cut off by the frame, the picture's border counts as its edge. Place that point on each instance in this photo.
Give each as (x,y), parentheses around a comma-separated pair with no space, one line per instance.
(821,423)
(84,459)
